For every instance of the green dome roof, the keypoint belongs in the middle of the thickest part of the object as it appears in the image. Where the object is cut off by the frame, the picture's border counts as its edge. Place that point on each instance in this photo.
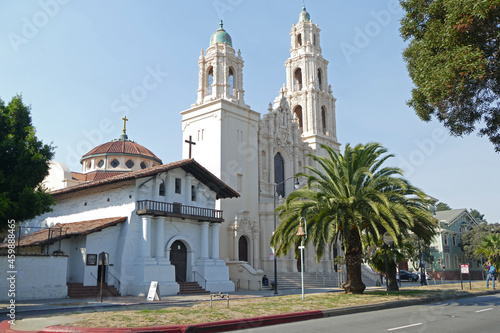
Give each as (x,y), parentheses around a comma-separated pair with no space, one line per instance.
(221,36)
(304,15)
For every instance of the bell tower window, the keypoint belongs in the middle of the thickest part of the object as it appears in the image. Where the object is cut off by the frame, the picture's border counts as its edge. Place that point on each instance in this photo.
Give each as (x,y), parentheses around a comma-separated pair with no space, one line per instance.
(314,40)
(210,79)
(299,40)
(297,111)
(297,79)
(319,79)
(323,119)
(230,81)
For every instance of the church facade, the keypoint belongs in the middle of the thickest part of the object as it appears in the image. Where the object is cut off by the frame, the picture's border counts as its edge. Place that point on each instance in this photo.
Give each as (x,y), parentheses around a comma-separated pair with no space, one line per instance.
(209,217)
(258,155)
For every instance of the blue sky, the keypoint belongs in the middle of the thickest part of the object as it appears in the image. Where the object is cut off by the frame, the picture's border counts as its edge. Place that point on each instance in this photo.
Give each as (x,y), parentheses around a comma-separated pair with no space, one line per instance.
(83,65)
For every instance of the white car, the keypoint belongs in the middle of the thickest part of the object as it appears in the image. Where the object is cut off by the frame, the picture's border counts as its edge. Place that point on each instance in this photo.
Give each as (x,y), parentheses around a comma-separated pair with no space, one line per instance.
(427,276)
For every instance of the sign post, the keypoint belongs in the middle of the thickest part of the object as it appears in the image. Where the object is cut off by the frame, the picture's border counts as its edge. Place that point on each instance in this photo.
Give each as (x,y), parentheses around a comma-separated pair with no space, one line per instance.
(464,269)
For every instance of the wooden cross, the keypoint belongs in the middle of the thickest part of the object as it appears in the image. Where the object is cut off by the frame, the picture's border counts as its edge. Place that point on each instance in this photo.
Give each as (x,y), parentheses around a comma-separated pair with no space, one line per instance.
(190,142)
(124,123)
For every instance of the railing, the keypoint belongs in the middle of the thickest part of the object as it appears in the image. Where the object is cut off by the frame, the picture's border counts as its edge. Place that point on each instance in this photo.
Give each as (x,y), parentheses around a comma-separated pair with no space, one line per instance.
(149,207)
(194,279)
(119,282)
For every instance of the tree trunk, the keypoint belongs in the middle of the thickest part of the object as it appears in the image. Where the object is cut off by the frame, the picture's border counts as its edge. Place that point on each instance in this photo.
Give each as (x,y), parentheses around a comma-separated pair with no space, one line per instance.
(393,282)
(354,284)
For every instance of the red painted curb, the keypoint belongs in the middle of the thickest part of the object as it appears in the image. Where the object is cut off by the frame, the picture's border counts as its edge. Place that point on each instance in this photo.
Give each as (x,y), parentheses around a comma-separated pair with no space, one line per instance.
(5,328)
(216,326)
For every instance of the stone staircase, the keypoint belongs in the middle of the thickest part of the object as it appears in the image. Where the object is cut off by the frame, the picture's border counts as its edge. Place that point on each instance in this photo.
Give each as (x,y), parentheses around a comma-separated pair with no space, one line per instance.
(191,288)
(311,280)
(78,290)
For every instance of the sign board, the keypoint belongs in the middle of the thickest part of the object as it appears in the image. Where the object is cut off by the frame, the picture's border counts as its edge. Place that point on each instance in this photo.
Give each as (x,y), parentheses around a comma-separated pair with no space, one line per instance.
(388,239)
(154,291)
(464,269)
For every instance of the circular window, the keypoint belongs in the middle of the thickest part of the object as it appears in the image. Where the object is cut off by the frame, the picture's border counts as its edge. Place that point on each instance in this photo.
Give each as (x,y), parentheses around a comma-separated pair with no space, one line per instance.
(115,163)
(143,165)
(129,164)
(100,164)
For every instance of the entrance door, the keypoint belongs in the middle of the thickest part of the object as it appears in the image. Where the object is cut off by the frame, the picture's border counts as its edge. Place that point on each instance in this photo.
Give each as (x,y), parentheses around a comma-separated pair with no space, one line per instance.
(178,258)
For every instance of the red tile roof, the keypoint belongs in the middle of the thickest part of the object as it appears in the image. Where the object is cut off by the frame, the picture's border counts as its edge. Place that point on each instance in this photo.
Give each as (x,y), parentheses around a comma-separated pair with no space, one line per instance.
(189,165)
(95,175)
(122,147)
(66,230)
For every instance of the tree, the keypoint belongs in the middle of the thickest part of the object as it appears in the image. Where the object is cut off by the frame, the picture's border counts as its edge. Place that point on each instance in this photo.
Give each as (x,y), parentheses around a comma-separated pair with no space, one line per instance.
(453,59)
(490,248)
(23,165)
(352,196)
(477,215)
(472,238)
(442,206)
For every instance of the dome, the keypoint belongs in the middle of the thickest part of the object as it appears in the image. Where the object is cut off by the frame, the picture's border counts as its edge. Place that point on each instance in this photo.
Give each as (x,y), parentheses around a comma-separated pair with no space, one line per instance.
(121,147)
(221,36)
(304,15)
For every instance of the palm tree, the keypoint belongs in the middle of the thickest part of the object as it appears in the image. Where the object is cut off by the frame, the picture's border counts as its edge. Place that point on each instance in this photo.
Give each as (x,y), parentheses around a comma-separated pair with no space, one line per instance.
(490,248)
(349,196)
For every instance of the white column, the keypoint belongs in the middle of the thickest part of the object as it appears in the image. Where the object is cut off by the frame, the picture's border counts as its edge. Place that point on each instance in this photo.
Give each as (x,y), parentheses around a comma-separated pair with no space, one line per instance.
(146,236)
(215,241)
(160,237)
(256,248)
(204,240)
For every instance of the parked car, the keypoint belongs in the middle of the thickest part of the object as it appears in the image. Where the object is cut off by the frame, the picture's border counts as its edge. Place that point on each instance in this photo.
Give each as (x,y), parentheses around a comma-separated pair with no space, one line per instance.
(427,276)
(405,275)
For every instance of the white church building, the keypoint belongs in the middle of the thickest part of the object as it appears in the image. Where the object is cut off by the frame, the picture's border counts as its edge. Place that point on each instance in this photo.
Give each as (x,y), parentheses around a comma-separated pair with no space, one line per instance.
(209,217)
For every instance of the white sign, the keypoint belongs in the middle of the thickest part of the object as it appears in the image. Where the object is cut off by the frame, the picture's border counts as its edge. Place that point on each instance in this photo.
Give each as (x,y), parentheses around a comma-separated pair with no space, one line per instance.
(154,291)
(464,269)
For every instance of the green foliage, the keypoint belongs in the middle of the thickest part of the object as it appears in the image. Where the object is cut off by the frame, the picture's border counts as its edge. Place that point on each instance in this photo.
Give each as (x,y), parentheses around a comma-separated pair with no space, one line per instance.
(352,195)
(23,165)
(472,238)
(441,206)
(490,248)
(477,215)
(453,60)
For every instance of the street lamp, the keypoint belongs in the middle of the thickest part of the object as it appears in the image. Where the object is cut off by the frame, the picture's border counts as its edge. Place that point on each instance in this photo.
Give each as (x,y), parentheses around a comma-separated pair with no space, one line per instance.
(302,233)
(274,200)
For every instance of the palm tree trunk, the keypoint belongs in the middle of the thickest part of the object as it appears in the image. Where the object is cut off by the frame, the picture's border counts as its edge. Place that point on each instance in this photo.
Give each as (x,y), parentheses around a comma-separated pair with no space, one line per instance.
(393,282)
(354,249)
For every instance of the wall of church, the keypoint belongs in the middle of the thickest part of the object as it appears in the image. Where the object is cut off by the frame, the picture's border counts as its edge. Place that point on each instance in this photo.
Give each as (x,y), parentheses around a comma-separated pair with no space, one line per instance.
(30,284)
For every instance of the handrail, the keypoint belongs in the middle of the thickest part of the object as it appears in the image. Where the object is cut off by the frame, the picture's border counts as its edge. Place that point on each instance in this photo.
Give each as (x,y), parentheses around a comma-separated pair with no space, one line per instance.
(119,282)
(94,276)
(194,278)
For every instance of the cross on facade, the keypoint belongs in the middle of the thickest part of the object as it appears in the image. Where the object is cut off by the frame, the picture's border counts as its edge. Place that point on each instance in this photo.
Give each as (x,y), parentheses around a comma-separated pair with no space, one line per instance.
(190,142)
(124,123)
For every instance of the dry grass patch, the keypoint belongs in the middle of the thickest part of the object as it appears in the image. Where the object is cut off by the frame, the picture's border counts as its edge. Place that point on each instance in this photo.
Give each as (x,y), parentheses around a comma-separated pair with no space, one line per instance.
(200,312)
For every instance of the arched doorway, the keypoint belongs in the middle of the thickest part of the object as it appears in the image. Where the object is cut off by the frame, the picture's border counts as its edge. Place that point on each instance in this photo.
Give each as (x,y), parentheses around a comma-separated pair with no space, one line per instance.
(243,249)
(178,258)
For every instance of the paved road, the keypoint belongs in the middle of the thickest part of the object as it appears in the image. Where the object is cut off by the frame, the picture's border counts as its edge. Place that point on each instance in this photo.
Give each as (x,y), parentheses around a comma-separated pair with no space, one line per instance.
(464,315)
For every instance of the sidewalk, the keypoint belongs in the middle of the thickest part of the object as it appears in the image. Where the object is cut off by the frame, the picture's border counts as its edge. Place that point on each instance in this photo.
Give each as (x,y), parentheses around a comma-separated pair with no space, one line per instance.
(35,320)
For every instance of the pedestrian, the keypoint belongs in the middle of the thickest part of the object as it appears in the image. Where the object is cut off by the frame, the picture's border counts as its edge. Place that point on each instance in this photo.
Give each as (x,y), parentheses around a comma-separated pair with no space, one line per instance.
(492,272)
(265,281)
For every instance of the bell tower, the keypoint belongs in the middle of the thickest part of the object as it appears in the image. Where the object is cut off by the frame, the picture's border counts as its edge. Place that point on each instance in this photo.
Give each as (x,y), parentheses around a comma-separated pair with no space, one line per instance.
(307,89)
(222,132)
(220,71)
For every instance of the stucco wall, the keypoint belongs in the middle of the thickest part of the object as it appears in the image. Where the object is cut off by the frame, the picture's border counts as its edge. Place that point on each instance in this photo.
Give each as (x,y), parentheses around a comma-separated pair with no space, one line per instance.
(29,283)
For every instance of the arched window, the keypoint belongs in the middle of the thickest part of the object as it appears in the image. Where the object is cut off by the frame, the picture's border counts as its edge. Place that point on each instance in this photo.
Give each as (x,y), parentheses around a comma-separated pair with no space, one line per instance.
(161,190)
(320,87)
(210,79)
(447,261)
(323,119)
(297,111)
(454,241)
(455,257)
(243,249)
(230,81)
(314,39)
(297,79)
(299,40)
(279,175)
(445,239)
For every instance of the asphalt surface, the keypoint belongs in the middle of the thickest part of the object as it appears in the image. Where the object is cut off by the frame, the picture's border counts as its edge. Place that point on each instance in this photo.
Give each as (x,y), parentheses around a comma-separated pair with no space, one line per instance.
(30,316)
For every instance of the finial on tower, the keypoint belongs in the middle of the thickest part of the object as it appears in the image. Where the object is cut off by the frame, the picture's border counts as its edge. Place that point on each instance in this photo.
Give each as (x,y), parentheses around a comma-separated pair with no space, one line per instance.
(221,24)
